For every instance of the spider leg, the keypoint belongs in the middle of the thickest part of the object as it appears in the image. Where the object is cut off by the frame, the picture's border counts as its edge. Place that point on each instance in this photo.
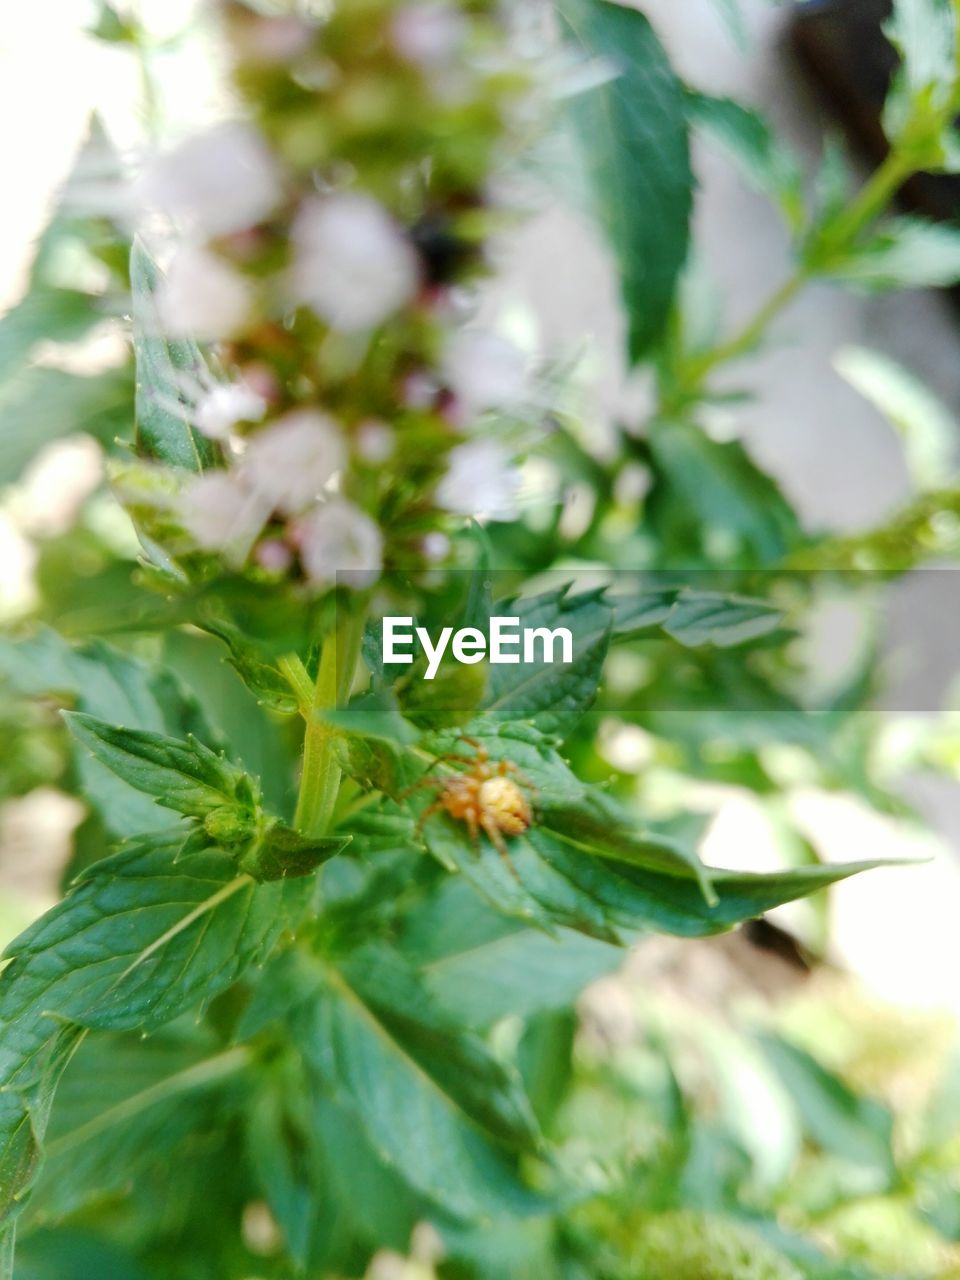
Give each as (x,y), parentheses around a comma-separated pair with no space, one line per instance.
(472,820)
(429,780)
(495,836)
(427,814)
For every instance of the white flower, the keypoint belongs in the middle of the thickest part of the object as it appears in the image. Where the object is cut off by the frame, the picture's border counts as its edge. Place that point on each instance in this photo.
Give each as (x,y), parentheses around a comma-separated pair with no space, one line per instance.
(429,34)
(221,514)
(219,182)
(484,370)
(340,544)
(202,297)
(290,461)
(375,441)
(480,481)
(352,262)
(219,409)
(267,40)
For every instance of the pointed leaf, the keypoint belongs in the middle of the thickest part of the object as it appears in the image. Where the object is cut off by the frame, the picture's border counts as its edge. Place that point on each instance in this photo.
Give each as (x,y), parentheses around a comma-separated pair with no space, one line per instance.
(633,130)
(162,364)
(185,776)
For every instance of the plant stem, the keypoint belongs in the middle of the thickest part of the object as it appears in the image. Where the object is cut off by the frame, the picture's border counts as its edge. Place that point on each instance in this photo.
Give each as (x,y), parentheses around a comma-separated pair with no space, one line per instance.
(750,334)
(320,780)
(874,197)
(872,200)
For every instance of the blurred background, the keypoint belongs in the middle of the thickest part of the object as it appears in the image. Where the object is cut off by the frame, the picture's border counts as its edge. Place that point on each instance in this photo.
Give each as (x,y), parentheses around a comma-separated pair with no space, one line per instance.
(834,453)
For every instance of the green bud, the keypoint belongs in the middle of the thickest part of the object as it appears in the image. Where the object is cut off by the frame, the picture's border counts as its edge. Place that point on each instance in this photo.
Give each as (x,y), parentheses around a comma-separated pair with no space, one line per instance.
(229,825)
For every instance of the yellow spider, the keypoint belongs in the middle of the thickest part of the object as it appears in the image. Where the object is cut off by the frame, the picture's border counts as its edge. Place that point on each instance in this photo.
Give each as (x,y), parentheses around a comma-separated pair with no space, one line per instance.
(484,796)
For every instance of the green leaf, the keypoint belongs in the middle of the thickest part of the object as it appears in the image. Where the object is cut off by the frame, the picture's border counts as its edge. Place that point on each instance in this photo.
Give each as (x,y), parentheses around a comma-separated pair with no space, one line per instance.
(44,404)
(710,500)
(927,428)
(412,1078)
(44,313)
(635,145)
(553,695)
(583,864)
(694,618)
(182,775)
(858,1129)
(128,1106)
(162,365)
(905,253)
(265,681)
(143,936)
(920,106)
(482,966)
(24,1115)
(113,687)
(767,163)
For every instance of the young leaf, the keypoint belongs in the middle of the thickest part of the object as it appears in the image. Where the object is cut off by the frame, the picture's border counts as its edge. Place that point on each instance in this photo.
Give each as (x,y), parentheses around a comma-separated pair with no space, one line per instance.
(709,492)
(634,135)
(185,776)
(162,365)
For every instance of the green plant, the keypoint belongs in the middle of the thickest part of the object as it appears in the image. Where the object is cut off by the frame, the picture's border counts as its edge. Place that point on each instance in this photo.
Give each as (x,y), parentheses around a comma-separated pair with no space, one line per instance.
(281,1015)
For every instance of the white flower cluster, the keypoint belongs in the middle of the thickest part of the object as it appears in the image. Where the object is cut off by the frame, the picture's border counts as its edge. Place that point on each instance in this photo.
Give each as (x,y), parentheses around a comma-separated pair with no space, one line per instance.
(284,492)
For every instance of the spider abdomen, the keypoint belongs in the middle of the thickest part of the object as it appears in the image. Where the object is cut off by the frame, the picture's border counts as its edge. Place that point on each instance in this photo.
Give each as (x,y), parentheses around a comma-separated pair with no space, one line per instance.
(504,804)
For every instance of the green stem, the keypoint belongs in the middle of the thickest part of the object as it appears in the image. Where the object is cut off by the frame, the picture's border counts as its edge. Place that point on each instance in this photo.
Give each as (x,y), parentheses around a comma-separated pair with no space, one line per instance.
(320,780)
(750,334)
(872,200)
(874,197)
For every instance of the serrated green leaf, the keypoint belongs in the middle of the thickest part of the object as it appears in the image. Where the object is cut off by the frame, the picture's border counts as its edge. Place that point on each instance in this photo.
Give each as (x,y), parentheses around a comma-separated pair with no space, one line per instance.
(694,618)
(128,1105)
(262,678)
(552,696)
(122,949)
(162,364)
(114,687)
(182,775)
(459,1063)
(634,136)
